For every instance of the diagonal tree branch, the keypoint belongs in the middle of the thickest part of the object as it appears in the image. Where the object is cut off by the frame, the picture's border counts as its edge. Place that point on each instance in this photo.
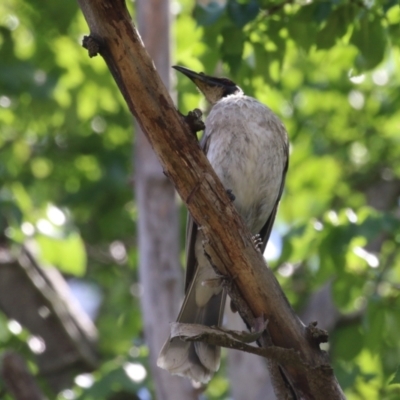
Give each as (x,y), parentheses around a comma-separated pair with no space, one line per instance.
(229,241)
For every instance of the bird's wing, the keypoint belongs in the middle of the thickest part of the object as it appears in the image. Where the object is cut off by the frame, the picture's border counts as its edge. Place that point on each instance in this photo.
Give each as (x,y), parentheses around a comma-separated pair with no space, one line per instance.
(191,226)
(267,228)
(191,230)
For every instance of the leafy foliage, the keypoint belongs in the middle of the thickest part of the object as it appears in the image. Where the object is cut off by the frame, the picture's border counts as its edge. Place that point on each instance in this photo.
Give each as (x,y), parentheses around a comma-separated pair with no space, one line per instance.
(328,68)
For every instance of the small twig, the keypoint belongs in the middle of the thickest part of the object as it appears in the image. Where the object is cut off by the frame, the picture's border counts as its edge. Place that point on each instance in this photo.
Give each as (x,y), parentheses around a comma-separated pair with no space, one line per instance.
(234,340)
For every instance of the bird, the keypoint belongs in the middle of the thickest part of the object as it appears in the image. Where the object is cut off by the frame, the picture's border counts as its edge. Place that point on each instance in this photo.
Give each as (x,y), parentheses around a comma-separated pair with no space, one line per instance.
(247,146)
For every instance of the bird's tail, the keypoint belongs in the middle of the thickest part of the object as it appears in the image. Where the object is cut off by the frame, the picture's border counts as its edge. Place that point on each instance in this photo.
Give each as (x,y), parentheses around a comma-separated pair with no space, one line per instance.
(195,360)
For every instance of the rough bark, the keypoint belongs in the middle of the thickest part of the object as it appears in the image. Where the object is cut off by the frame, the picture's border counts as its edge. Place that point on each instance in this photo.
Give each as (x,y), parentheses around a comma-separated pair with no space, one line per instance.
(229,241)
(158,228)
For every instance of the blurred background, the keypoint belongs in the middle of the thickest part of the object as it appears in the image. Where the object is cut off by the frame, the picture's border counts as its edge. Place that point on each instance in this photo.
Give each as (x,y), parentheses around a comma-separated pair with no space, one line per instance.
(92,233)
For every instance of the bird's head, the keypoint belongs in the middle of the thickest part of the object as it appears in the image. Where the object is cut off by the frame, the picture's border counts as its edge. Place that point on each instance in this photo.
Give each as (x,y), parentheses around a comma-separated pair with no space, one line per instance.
(214,89)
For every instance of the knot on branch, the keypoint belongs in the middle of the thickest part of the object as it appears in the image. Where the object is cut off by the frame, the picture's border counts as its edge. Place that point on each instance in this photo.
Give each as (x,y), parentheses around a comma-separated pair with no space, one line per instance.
(317,335)
(92,45)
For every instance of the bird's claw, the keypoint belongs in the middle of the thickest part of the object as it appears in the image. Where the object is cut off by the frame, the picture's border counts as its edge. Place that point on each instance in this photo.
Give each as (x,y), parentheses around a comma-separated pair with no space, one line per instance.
(257,242)
(230,194)
(193,119)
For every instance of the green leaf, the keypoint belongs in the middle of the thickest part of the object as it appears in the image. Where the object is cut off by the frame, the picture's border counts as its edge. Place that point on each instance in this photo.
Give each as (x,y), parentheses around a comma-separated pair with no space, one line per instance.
(347,342)
(10,212)
(209,14)
(394,33)
(233,40)
(241,14)
(346,289)
(232,47)
(396,378)
(346,374)
(111,382)
(336,26)
(336,243)
(322,10)
(263,61)
(7,46)
(211,56)
(371,227)
(387,4)
(370,38)
(68,254)
(373,322)
(274,28)
(303,27)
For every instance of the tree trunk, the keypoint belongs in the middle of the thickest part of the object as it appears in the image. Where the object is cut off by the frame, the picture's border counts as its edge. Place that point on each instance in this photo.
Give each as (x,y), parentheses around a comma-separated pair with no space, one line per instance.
(158,228)
(248,373)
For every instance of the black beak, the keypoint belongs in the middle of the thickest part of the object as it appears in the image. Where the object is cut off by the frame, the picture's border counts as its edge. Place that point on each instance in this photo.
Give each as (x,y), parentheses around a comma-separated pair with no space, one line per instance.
(197,78)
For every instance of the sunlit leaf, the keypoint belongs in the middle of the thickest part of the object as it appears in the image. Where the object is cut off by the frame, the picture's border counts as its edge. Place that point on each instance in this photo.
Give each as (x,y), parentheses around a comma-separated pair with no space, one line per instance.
(396,377)
(67,254)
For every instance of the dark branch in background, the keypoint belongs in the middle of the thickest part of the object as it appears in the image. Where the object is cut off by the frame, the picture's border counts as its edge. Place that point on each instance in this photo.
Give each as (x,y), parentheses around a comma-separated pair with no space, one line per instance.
(40,301)
(18,380)
(229,241)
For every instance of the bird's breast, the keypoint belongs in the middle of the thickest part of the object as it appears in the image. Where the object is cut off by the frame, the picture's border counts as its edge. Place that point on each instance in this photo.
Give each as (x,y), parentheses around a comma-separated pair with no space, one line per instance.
(247,149)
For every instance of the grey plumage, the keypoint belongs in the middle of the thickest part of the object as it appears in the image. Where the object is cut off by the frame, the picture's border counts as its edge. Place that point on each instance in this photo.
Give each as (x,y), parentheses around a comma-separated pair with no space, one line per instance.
(247,146)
